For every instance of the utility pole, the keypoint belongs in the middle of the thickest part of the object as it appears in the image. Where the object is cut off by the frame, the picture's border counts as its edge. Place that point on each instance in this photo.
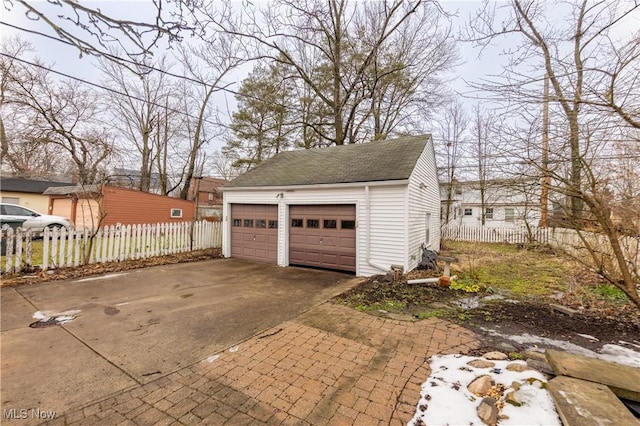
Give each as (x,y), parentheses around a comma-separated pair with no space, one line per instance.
(546,179)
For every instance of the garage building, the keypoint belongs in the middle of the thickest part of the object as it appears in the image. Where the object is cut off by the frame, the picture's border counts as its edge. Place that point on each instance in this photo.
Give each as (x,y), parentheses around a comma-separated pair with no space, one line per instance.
(358,208)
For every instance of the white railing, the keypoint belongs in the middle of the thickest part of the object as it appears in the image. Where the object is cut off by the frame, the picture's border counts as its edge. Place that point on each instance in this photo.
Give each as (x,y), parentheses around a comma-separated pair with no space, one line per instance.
(590,247)
(70,248)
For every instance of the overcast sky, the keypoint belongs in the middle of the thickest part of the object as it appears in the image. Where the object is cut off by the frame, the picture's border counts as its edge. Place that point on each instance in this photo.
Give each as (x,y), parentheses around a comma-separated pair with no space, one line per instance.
(66,59)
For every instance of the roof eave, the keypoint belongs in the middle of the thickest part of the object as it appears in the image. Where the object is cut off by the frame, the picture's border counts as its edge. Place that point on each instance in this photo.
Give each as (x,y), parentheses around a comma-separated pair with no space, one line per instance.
(317,186)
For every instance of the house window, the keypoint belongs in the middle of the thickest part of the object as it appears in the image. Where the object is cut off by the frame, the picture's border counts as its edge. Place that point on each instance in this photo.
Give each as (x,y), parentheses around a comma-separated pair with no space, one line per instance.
(210,196)
(508,214)
(313,223)
(348,224)
(330,224)
(237,222)
(261,223)
(296,223)
(468,212)
(176,212)
(488,213)
(273,224)
(248,223)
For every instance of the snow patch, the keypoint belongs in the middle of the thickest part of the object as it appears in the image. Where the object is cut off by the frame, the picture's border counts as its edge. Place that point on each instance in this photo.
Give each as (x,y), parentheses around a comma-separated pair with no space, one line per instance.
(445,399)
(589,337)
(212,358)
(60,317)
(609,352)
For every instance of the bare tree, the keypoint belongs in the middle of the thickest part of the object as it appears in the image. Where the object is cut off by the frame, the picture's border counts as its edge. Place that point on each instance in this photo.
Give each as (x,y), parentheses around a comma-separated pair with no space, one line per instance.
(95,32)
(452,124)
(64,115)
(325,44)
(222,166)
(592,99)
(210,63)
(22,150)
(481,151)
(139,106)
(544,46)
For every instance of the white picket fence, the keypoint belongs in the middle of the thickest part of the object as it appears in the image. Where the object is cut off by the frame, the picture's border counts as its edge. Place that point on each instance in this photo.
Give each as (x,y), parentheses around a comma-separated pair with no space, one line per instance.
(491,234)
(71,248)
(599,254)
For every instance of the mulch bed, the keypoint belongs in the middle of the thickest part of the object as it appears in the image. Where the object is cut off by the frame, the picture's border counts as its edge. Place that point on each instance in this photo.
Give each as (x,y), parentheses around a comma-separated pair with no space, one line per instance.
(38,276)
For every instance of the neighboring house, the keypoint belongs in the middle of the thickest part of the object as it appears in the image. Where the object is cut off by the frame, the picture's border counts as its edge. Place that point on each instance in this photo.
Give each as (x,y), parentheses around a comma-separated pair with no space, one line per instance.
(86,206)
(27,192)
(209,198)
(506,202)
(359,208)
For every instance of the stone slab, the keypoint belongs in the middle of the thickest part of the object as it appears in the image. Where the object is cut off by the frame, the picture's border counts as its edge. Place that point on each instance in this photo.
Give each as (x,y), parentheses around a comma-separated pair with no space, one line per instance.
(584,403)
(623,380)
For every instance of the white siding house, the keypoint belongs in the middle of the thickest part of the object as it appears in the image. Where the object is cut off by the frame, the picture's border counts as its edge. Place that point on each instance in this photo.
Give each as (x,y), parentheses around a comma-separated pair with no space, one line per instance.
(358,208)
(507,203)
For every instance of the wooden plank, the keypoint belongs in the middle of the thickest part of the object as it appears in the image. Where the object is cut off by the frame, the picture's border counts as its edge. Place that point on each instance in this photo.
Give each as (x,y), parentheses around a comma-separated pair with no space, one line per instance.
(623,380)
(584,403)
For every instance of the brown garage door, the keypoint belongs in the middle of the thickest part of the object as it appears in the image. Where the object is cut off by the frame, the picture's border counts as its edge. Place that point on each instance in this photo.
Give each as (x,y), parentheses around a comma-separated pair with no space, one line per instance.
(323,236)
(254,232)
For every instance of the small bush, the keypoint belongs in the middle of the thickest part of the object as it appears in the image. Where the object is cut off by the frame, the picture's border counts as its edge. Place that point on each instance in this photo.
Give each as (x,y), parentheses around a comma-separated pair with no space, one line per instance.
(610,292)
(465,284)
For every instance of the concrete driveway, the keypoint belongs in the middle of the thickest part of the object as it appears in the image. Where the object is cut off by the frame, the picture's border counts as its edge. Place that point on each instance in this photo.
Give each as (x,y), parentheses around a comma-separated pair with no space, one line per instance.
(137,326)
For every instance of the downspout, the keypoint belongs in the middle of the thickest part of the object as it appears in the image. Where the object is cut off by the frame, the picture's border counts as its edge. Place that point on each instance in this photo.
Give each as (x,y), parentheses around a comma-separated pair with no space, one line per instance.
(367,198)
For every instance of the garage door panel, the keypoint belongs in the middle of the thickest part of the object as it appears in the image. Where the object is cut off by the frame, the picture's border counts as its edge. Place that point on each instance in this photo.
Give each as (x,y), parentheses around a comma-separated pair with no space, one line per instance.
(330,258)
(348,242)
(330,242)
(317,238)
(314,240)
(348,260)
(254,233)
(296,239)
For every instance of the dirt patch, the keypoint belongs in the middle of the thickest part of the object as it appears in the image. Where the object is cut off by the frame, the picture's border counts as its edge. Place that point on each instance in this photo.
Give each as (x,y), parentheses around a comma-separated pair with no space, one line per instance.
(603,322)
(37,276)
(540,319)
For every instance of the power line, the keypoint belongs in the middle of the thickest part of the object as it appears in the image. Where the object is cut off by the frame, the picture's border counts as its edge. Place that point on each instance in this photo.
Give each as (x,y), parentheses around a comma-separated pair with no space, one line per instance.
(116,58)
(113,57)
(108,89)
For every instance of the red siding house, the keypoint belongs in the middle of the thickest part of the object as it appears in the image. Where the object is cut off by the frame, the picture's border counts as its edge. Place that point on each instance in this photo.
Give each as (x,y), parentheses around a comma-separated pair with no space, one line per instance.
(91,206)
(209,197)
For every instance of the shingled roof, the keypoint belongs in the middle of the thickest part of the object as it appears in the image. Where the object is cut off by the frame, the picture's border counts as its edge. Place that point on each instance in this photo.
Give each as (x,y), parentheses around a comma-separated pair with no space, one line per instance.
(369,162)
(31,186)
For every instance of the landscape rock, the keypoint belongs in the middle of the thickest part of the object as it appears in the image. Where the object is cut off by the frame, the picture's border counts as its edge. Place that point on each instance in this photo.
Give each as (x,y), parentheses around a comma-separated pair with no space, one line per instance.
(488,412)
(481,385)
(481,363)
(511,398)
(495,355)
(518,367)
(516,385)
(538,356)
(507,347)
(541,366)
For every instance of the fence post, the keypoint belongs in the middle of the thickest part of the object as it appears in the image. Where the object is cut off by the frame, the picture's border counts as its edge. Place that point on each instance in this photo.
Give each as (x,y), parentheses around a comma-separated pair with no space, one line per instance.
(45,249)
(29,251)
